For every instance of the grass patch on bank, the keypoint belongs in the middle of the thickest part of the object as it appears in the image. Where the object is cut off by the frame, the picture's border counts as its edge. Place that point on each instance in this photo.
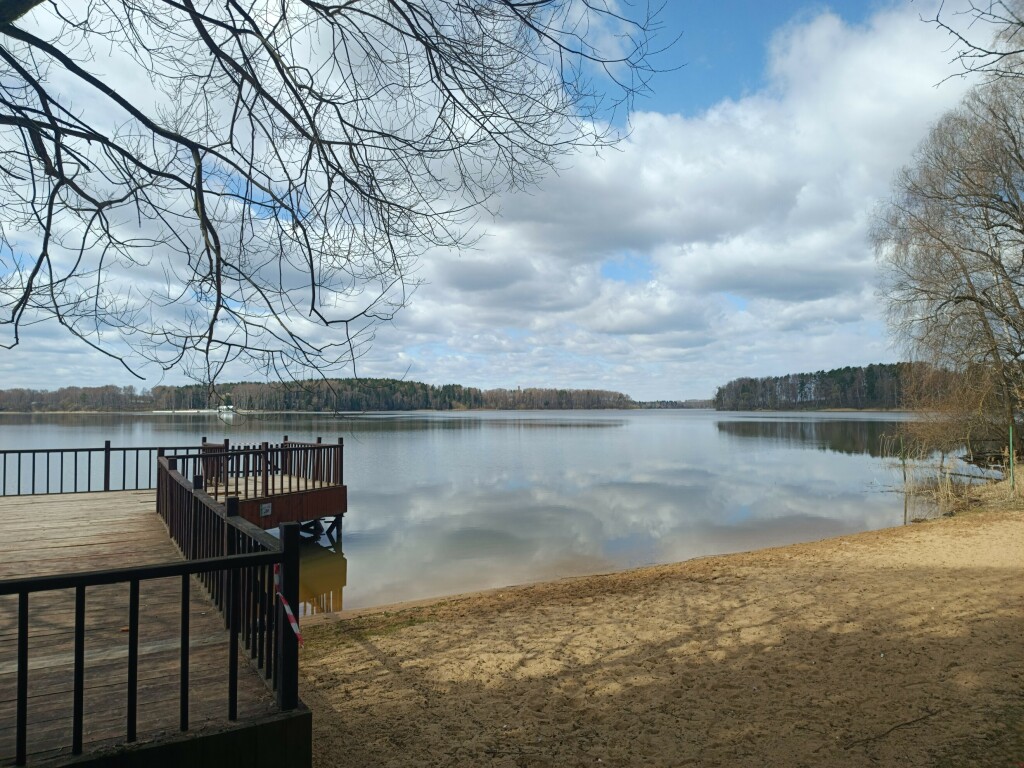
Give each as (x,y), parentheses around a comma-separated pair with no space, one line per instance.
(946,493)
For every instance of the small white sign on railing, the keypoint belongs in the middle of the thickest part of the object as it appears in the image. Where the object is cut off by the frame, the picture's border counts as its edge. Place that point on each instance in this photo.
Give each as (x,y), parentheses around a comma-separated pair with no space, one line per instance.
(265,509)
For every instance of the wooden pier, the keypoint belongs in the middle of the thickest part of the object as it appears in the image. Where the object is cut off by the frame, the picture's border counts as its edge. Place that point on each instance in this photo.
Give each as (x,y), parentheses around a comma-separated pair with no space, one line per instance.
(122,644)
(73,533)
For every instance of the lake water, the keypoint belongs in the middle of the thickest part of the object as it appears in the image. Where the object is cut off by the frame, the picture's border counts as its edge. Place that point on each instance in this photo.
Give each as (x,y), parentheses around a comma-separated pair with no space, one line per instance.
(441,503)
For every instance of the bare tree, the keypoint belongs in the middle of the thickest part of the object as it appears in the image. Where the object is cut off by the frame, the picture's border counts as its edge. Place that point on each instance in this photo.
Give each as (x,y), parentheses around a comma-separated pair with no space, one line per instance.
(988,36)
(195,184)
(951,247)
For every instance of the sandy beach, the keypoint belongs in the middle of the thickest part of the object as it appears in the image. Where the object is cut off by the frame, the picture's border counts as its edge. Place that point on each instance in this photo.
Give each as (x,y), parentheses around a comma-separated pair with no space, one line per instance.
(901,647)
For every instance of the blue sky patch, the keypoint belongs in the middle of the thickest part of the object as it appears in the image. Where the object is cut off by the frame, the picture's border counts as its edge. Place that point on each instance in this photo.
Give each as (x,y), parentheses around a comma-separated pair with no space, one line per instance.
(628,269)
(736,302)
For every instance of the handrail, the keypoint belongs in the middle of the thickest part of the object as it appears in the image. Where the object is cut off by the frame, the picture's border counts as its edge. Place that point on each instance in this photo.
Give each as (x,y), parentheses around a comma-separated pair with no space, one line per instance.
(267,469)
(235,560)
(202,527)
(286,467)
(25,471)
(32,584)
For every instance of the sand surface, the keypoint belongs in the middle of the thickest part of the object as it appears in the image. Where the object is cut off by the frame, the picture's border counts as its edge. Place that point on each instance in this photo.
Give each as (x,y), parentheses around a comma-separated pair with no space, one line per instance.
(902,647)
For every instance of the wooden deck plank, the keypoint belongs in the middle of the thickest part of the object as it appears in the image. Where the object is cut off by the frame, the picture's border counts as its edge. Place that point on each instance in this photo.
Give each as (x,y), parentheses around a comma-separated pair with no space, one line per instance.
(50,534)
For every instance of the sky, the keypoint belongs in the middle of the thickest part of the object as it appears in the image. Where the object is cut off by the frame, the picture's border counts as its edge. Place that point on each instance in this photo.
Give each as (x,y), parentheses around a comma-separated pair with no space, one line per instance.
(726,236)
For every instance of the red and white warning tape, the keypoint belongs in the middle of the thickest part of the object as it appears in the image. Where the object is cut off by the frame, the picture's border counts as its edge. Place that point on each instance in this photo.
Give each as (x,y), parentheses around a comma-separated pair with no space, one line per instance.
(287,608)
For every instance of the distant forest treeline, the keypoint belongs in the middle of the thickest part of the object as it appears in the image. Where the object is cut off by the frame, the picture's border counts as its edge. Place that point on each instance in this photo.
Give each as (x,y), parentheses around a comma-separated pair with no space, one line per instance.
(327,395)
(871,386)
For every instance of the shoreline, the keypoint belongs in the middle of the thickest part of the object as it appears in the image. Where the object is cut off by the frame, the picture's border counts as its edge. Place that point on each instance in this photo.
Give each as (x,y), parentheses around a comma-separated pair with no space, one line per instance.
(316,619)
(256,412)
(651,571)
(894,646)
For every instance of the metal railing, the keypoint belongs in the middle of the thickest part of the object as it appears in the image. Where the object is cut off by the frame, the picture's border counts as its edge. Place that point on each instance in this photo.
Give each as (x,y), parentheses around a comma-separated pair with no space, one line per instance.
(246,471)
(259,471)
(80,470)
(249,601)
(233,559)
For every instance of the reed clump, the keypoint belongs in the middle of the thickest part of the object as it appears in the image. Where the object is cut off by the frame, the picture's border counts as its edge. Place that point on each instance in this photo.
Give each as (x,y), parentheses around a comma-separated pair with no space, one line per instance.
(938,483)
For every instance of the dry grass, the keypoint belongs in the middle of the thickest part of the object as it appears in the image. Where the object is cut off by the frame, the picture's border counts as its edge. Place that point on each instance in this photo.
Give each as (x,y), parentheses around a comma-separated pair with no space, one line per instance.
(997,495)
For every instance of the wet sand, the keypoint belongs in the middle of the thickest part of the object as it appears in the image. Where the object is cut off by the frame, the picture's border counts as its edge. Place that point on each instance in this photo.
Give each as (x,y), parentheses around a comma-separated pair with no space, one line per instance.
(896,647)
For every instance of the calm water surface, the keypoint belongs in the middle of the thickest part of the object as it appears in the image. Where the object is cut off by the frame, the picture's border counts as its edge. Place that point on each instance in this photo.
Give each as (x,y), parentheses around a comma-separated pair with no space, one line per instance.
(446,503)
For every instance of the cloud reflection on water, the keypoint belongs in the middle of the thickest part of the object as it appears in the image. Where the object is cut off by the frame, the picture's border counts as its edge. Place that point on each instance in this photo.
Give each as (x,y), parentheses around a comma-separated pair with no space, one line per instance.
(648,491)
(446,503)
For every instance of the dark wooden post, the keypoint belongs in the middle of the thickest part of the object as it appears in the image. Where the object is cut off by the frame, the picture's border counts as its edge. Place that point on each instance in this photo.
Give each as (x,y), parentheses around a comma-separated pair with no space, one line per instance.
(287,643)
(191,552)
(232,614)
(228,548)
(166,496)
(106,465)
(160,487)
(232,511)
(265,449)
(339,462)
(227,461)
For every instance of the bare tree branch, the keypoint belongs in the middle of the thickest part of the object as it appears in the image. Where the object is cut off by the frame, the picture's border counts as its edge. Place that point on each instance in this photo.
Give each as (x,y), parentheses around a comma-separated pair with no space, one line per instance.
(199,185)
(950,244)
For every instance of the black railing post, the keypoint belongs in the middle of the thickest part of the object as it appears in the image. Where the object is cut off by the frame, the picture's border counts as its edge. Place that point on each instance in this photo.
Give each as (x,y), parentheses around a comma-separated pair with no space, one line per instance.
(191,548)
(265,471)
(133,659)
(287,643)
(161,508)
(106,465)
(227,464)
(339,459)
(229,548)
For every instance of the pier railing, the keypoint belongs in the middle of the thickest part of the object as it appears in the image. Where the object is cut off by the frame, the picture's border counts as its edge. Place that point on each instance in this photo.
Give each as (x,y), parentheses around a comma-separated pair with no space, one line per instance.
(249,599)
(235,561)
(244,471)
(81,470)
(202,527)
(267,469)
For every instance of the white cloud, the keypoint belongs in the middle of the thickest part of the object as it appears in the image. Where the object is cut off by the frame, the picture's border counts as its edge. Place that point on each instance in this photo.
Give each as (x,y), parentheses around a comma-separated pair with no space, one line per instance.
(752,217)
(749,223)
